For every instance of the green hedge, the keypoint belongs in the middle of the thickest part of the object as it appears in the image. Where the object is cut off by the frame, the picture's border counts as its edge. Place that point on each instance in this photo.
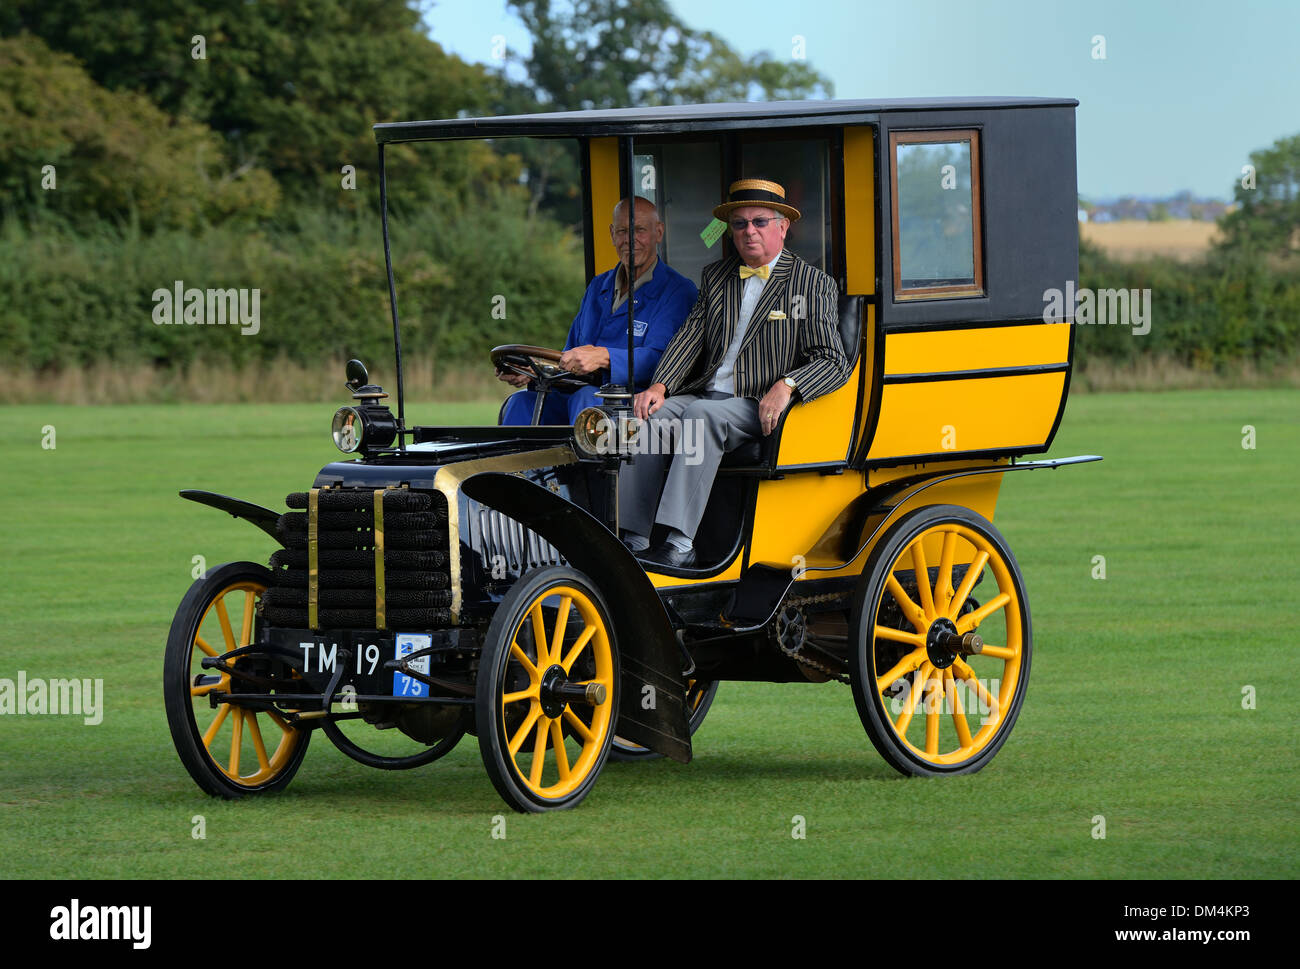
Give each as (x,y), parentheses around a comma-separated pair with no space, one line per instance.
(76,296)
(1212,314)
(70,297)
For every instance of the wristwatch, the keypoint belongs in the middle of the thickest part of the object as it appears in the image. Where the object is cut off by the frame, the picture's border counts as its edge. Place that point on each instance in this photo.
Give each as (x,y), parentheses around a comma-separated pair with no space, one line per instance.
(789,382)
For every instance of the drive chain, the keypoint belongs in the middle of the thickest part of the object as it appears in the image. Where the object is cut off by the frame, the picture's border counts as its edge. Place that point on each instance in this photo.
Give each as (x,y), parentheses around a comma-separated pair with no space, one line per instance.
(795,652)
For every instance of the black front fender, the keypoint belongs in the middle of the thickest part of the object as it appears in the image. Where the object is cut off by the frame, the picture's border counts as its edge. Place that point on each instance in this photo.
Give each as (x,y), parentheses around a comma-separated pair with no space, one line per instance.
(263,518)
(647,644)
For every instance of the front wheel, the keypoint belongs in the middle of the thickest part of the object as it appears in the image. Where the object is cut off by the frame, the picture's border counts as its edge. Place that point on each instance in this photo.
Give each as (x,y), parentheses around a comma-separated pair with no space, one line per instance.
(547,691)
(230,750)
(939,678)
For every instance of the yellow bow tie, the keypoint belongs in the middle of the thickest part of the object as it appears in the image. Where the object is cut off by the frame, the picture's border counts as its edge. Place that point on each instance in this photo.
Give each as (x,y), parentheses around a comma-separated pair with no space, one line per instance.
(762,272)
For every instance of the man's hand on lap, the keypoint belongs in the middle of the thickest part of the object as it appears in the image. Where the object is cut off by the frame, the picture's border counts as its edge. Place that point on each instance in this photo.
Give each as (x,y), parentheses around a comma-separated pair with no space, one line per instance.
(773,405)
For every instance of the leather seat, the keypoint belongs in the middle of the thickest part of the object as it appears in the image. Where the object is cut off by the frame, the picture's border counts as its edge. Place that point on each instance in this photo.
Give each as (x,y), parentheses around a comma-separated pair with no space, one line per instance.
(761,454)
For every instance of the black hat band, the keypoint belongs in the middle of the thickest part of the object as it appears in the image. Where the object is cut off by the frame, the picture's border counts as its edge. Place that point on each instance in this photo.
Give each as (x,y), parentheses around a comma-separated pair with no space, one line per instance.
(757,195)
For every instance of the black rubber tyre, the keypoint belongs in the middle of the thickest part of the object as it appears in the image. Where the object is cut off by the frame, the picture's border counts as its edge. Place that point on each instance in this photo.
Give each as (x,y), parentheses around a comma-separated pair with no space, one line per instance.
(897,662)
(699,697)
(244,739)
(543,754)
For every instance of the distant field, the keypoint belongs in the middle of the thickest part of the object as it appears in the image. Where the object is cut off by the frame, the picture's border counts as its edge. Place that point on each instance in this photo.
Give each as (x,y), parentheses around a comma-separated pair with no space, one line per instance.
(1134,710)
(1176,238)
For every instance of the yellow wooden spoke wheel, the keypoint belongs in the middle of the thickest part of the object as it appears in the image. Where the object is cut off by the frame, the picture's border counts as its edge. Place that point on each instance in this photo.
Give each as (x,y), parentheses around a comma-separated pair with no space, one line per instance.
(942,642)
(230,750)
(547,690)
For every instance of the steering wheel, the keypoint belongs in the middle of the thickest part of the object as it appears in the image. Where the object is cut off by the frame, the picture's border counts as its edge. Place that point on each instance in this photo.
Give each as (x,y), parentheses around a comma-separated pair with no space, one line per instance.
(541,364)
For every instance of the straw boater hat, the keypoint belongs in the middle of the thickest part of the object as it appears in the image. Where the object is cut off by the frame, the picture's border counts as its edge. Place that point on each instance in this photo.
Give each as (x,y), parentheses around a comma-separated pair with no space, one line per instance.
(756,191)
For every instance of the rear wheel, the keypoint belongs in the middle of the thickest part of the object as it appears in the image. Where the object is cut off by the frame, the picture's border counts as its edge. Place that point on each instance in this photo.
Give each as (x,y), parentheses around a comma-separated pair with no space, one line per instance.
(547,691)
(229,750)
(938,678)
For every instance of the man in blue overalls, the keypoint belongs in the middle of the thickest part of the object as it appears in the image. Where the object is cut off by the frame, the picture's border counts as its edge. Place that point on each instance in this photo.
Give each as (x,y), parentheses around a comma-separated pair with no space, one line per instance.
(598,337)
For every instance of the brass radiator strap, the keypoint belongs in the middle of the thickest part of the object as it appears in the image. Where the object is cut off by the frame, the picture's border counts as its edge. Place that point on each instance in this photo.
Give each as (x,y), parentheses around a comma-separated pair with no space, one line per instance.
(313,558)
(380,618)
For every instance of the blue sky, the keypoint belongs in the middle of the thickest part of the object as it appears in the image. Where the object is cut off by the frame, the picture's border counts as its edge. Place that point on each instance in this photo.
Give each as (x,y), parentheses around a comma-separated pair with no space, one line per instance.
(1185,92)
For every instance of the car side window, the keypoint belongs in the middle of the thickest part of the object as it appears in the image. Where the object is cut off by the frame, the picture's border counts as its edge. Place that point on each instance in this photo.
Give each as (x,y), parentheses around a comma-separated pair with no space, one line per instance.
(936,214)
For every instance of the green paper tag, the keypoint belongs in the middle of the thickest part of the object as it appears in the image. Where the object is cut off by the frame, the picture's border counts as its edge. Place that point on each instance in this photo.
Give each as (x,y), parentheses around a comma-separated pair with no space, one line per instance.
(713,232)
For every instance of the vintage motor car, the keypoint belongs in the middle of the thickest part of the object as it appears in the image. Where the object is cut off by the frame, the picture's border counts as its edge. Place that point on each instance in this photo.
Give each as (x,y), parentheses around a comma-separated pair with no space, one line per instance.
(441,581)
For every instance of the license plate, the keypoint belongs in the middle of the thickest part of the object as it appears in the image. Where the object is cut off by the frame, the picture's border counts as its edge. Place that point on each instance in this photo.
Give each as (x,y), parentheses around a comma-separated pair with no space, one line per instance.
(318,655)
(406,644)
(321,655)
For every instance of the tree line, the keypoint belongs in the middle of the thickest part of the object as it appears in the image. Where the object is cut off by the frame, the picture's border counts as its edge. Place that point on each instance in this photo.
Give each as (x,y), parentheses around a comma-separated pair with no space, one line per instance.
(226,143)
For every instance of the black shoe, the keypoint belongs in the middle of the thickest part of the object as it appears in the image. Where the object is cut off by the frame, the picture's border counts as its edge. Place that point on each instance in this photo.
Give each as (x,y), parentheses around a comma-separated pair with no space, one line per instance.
(667,554)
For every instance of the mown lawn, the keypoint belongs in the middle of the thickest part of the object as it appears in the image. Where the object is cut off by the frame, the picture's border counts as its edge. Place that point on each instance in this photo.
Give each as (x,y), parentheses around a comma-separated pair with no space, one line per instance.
(1134,711)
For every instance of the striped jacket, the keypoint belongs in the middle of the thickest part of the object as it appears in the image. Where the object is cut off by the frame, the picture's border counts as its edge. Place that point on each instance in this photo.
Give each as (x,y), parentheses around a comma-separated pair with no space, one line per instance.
(805,345)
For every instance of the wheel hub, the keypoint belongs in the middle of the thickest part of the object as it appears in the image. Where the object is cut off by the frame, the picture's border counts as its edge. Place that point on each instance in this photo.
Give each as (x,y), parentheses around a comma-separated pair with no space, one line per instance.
(944,644)
(552,705)
(939,645)
(557,691)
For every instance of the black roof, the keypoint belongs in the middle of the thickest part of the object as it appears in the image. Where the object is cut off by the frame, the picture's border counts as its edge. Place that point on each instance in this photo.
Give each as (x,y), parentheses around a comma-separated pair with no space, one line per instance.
(690,117)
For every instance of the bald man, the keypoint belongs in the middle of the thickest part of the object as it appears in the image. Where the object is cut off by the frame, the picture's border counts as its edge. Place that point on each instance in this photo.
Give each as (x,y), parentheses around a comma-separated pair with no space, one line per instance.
(597,340)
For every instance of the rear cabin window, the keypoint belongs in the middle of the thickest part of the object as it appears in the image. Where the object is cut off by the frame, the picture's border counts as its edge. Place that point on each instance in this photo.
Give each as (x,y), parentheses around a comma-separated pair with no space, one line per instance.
(936,182)
(682,180)
(802,167)
(686,179)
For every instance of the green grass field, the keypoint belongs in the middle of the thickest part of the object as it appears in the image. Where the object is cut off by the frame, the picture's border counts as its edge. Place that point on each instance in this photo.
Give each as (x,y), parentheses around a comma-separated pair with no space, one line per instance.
(1134,710)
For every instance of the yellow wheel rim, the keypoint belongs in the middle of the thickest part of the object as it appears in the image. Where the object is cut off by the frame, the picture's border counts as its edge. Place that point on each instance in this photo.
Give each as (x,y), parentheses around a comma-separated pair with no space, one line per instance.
(947,713)
(249,747)
(553,755)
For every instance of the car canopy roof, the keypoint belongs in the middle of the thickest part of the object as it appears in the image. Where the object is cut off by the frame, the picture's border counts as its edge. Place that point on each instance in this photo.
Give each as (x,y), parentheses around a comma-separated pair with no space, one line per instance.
(691,117)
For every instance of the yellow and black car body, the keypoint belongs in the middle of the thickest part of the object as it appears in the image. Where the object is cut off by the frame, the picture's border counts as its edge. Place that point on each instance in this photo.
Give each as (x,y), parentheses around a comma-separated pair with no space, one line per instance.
(454,580)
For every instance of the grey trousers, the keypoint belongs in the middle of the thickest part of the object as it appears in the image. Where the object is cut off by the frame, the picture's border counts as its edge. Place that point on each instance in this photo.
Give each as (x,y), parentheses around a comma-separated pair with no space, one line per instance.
(685,441)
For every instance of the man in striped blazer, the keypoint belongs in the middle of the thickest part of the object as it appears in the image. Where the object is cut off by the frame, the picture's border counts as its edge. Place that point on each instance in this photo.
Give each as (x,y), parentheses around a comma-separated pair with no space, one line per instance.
(762,334)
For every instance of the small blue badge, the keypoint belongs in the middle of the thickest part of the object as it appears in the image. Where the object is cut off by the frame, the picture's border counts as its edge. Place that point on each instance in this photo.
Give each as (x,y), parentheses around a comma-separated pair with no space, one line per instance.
(408,643)
(639,327)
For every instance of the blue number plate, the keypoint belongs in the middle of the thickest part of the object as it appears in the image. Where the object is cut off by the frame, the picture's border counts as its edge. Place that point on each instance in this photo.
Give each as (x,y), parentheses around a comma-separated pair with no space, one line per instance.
(408,643)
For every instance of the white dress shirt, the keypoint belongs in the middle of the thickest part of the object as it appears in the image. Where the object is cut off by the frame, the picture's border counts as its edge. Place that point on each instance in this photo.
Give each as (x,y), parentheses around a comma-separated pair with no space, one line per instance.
(724,378)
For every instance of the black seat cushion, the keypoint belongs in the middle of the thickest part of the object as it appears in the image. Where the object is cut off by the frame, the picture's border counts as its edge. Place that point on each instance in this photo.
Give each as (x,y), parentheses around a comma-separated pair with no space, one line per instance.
(850,325)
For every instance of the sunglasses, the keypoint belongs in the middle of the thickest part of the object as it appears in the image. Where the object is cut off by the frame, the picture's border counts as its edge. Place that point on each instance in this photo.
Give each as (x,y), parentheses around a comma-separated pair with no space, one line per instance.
(739,225)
